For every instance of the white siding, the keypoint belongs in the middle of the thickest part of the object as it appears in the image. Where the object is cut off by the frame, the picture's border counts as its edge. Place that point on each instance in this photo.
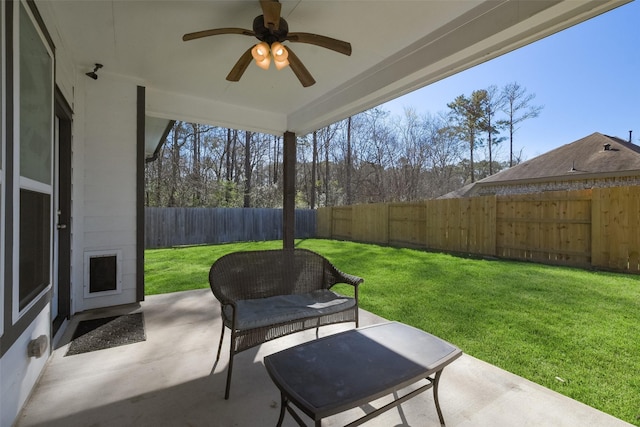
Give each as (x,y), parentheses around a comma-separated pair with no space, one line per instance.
(20,373)
(104,181)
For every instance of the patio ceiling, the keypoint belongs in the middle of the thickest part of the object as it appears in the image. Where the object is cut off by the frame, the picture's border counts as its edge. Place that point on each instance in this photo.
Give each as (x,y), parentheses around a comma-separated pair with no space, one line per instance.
(398,46)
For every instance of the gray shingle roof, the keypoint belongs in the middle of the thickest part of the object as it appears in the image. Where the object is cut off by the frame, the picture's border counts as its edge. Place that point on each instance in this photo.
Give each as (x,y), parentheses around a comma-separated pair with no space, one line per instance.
(586,156)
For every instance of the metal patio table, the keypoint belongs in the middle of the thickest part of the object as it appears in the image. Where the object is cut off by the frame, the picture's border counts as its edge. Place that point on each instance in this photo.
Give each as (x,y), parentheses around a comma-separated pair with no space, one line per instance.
(339,372)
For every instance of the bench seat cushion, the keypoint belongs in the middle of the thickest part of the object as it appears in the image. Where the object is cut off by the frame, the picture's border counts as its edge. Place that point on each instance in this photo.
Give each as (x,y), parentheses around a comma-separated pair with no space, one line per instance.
(255,313)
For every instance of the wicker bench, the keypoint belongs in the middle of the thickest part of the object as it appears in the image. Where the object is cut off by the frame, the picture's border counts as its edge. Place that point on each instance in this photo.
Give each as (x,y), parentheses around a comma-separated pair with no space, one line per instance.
(265,295)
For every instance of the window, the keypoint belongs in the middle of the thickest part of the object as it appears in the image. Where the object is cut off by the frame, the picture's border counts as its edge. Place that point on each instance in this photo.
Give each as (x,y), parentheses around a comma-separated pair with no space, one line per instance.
(36,104)
(33,164)
(35,238)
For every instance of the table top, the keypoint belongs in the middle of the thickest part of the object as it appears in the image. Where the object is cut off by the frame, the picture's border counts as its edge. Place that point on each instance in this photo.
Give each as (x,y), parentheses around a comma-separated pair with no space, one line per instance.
(345,370)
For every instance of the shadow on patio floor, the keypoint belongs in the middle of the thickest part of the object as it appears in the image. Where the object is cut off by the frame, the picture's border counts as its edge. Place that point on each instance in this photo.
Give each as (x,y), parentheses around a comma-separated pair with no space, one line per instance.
(167,381)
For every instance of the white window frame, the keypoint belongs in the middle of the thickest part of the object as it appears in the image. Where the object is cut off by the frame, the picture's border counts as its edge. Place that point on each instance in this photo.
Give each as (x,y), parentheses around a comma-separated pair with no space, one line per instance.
(21,182)
(3,137)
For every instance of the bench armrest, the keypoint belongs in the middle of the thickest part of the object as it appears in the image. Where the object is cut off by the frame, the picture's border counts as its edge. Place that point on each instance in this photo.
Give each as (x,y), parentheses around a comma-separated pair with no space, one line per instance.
(349,279)
(233,308)
(337,276)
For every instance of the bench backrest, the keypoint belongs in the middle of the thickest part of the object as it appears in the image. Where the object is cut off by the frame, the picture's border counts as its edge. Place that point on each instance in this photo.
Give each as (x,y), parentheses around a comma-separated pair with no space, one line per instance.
(262,274)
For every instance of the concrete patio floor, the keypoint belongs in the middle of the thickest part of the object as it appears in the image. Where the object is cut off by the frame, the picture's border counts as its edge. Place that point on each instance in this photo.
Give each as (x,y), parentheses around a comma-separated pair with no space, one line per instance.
(167,381)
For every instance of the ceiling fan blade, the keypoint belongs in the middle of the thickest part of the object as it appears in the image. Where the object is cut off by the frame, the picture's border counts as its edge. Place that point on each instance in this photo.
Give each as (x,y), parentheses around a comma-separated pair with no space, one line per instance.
(322,41)
(299,69)
(216,32)
(271,12)
(239,68)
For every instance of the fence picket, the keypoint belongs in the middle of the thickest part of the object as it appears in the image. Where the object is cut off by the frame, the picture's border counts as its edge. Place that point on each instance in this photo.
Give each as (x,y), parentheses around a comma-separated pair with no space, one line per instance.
(595,228)
(167,227)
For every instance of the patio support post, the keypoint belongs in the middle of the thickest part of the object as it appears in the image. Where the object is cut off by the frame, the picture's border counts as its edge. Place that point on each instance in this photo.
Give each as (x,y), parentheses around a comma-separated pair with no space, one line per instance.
(140,156)
(289,190)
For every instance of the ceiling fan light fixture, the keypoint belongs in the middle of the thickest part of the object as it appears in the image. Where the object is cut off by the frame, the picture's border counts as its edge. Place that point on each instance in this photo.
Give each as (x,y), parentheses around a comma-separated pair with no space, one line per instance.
(260,53)
(280,55)
(264,64)
(281,64)
(271,29)
(279,51)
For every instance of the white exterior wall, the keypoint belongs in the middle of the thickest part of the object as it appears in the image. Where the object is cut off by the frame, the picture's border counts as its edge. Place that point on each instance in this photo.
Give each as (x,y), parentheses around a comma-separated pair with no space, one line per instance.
(103,216)
(19,373)
(104,183)
(103,196)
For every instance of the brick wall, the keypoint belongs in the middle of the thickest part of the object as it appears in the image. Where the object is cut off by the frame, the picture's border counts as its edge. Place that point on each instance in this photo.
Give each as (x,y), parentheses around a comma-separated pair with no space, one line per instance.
(502,190)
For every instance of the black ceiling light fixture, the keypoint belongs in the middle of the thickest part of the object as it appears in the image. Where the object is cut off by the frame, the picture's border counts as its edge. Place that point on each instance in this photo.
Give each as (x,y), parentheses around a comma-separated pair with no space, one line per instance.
(93,74)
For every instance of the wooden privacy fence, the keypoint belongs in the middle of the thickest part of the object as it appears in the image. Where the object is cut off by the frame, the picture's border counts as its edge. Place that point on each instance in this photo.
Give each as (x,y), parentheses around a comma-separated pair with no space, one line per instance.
(166,227)
(598,228)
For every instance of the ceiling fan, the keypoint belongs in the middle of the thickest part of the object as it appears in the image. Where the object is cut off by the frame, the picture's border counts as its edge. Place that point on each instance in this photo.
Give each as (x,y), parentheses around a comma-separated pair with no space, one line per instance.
(272,30)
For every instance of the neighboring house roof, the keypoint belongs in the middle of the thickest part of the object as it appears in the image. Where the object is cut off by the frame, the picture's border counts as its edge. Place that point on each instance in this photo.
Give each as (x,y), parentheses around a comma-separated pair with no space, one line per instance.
(594,156)
(466,191)
(585,156)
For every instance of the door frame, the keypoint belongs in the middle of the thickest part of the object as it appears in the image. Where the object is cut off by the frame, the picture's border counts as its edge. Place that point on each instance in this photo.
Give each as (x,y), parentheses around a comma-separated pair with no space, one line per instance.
(62,214)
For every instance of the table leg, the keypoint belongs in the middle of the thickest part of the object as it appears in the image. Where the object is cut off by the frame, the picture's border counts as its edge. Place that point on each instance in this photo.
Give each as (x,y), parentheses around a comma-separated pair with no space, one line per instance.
(436,381)
(283,404)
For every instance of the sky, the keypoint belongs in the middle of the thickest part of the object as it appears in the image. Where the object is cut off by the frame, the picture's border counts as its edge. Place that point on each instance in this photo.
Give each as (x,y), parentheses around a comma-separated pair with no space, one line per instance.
(587,78)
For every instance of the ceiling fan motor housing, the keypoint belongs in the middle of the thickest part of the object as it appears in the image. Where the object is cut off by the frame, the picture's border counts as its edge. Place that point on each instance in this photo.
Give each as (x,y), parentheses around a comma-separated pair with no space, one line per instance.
(268,35)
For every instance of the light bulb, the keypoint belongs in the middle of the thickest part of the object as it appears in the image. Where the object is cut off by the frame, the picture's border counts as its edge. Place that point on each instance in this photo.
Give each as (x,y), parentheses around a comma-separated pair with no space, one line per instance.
(279,51)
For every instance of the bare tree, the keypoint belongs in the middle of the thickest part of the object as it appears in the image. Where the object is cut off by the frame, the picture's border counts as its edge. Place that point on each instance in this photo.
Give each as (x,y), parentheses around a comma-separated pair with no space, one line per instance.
(376,155)
(325,137)
(494,103)
(264,191)
(445,152)
(413,156)
(314,166)
(247,169)
(518,108)
(276,159)
(344,186)
(348,163)
(230,154)
(178,141)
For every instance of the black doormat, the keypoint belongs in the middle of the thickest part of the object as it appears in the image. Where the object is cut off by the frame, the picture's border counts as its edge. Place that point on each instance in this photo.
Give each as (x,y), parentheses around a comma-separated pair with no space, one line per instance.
(108,332)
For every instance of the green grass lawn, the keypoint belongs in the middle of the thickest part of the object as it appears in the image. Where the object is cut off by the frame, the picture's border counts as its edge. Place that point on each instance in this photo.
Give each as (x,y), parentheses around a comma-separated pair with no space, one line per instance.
(570,330)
